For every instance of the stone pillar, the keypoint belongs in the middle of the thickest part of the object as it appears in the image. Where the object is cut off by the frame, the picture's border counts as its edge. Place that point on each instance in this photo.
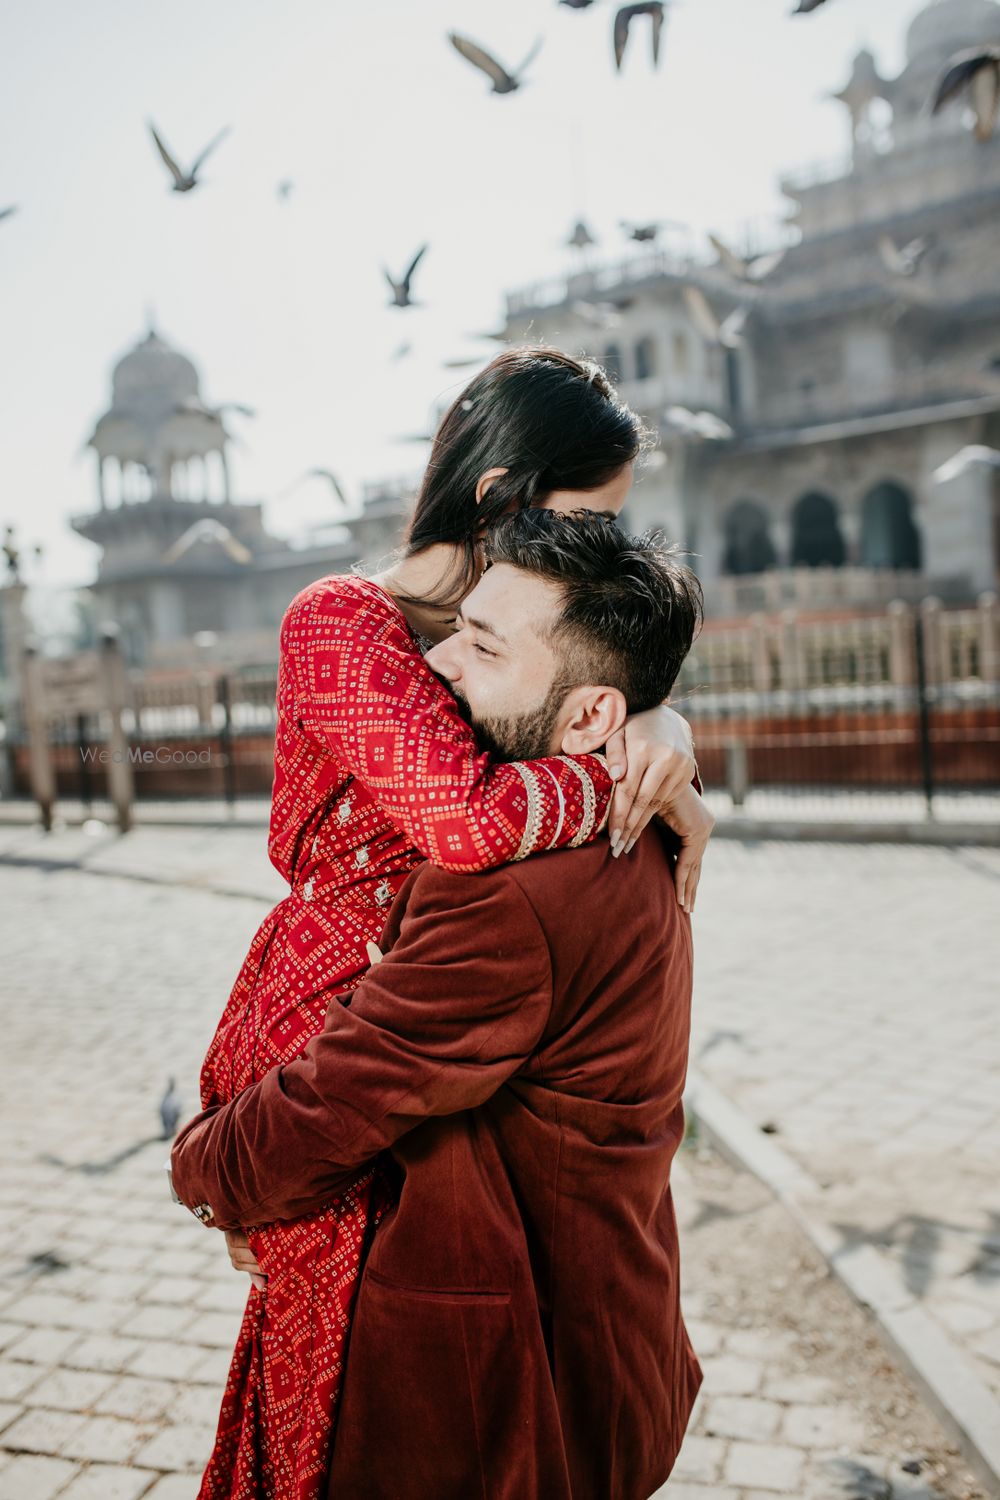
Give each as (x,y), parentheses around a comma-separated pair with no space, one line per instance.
(791,656)
(760,656)
(936,666)
(101,493)
(781,536)
(114,691)
(40,768)
(902,666)
(989,637)
(850,529)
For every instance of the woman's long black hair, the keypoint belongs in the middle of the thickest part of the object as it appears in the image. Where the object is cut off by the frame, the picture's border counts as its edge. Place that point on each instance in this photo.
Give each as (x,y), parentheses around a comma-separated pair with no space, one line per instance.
(553,422)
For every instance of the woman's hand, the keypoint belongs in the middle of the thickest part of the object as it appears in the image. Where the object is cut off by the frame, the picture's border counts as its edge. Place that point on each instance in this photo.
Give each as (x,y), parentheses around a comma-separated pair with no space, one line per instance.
(692,822)
(655,751)
(243,1258)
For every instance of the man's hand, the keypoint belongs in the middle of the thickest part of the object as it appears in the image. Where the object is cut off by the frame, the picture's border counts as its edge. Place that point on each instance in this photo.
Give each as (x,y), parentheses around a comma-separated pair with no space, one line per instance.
(656,748)
(691,820)
(243,1259)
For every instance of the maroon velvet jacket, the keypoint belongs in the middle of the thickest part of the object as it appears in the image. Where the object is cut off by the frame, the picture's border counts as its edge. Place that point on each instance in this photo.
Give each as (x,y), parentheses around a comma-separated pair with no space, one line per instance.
(522,1051)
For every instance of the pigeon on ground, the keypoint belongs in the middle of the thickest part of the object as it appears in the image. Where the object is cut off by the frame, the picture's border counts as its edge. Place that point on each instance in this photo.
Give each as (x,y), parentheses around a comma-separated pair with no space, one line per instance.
(623,22)
(504,82)
(171,1110)
(401,289)
(975,73)
(185,181)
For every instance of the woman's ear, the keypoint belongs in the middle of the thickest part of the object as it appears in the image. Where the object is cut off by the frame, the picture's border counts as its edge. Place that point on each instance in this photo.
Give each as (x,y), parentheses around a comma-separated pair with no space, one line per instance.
(485,480)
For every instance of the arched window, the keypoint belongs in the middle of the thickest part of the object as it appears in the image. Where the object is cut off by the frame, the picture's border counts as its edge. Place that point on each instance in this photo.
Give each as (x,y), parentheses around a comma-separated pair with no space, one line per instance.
(889,536)
(748,545)
(613,362)
(645,359)
(817,541)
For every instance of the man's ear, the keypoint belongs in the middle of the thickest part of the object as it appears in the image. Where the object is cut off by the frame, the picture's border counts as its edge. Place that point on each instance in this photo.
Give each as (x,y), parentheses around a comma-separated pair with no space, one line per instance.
(485,480)
(591,715)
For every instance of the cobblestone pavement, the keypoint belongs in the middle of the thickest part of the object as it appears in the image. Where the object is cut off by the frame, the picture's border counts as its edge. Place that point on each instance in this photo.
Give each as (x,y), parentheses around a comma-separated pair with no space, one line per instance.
(847,999)
(117,1311)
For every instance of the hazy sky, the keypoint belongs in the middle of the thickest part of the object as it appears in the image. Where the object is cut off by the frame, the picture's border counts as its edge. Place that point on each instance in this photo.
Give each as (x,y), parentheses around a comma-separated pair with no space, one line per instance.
(390,139)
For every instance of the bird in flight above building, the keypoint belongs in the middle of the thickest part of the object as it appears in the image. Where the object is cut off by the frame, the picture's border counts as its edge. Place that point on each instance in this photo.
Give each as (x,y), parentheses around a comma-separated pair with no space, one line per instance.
(727,331)
(975,74)
(212,531)
(804,7)
(5,213)
(902,260)
(746,268)
(964,460)
(705,426)
(624,17)
(185,181)
(643,234)
(504,82)
(401,289)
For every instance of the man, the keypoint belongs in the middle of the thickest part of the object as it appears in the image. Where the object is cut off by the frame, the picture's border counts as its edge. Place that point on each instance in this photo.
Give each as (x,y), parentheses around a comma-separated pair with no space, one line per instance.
(521,1050)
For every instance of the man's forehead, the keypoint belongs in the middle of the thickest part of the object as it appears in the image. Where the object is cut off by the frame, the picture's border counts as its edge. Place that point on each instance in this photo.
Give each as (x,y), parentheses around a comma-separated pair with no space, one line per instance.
(512,603)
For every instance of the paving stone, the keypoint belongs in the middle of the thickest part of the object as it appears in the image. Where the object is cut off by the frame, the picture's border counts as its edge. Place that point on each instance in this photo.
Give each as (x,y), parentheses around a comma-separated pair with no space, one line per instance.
(162,1360)
(822,1427)
(172,1487)
(45,1346)
(107,1439)
(217,1330)
(43,1431)
(765,1466)
(141,1400)
(706,1338)
(700,1458)
(108,1482)
(17,1377)
(729,1375)
(8,1411)
(69,1390)
(801,1389)
(753,1343)
(9,1334)
(186,1447)
(103,1352)
(157,1322)
(742,1417)
(27,1477)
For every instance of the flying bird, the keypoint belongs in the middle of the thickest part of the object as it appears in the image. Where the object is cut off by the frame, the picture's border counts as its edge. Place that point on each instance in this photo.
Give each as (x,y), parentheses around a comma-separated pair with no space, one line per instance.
(745,268)
(703,425)
(976,73)
(503,81)
(966,459)
(577,4)
(5,213)
(333,482)
(208,530)
(171,1110)
(185,181)
(726,331)
(805,6)
(623,22)
(195,408)
(401,289)
(905,260)
(285,189)
(460,364)
(581,237)
(401,350)
(643,234)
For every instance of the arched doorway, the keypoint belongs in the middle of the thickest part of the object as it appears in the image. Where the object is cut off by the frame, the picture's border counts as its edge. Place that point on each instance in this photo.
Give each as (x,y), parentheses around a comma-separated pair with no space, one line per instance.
(747,544)
(817,541)
(889,536)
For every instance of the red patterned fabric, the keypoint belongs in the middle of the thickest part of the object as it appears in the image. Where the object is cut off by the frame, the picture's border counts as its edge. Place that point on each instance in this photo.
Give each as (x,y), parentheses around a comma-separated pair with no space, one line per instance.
(374,770)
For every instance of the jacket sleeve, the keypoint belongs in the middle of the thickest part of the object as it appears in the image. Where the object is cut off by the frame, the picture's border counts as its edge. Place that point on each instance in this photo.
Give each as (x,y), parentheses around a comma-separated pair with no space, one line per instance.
(438,1026)
(363,691)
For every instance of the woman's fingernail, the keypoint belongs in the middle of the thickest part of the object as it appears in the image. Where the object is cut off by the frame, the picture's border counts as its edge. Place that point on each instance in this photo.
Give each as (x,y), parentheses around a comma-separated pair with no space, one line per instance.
(630,846)
(616,772)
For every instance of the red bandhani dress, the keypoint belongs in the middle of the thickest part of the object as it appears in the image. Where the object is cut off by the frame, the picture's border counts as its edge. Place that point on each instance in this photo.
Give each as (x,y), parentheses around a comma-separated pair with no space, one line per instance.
(374,770)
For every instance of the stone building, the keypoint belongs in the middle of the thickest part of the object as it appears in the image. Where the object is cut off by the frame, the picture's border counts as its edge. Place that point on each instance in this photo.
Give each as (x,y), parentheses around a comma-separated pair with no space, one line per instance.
(798,451)
(190,574)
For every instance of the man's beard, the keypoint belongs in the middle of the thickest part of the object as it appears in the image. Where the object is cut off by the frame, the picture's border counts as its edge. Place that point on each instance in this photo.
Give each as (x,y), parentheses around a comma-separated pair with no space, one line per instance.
(524,736)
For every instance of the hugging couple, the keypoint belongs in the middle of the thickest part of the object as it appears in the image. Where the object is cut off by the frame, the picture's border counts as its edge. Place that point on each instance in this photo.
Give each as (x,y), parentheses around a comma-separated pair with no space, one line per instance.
(441,1105)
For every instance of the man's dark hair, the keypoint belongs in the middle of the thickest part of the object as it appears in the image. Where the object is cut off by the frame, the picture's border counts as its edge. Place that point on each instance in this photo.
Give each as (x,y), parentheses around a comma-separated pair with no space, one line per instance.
(631,609)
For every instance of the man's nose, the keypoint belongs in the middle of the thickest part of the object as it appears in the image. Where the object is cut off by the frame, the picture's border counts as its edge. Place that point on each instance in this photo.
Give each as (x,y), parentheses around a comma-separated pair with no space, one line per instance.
(442,660)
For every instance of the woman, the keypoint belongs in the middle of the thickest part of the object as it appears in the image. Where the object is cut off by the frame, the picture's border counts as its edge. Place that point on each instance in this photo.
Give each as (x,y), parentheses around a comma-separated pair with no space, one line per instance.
(375,769)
